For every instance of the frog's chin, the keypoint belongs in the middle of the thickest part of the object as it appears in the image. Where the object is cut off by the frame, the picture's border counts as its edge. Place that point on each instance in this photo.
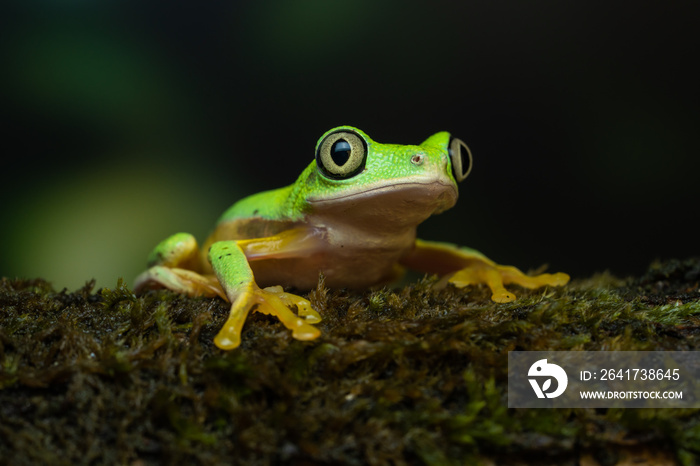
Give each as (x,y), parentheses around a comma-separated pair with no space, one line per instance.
(410,201)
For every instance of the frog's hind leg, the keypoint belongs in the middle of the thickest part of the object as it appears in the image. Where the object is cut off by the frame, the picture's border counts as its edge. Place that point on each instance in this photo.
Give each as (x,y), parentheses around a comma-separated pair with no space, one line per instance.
(464,266)
(174,264)
(496,276)
(512,275)
(179,280)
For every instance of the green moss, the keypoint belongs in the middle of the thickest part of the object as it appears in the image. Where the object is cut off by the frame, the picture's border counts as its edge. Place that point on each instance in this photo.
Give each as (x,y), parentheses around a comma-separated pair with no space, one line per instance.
(410,375)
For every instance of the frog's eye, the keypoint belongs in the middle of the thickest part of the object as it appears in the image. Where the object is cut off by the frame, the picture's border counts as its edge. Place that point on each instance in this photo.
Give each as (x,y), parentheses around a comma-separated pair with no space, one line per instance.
(341,155)
(461,158)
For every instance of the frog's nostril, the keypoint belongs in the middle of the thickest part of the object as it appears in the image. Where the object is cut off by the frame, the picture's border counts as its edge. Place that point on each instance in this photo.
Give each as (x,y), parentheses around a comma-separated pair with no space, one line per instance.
(418,159)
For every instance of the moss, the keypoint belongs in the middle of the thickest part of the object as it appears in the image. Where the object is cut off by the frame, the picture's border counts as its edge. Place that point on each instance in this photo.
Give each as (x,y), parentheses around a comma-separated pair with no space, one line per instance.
(399,376)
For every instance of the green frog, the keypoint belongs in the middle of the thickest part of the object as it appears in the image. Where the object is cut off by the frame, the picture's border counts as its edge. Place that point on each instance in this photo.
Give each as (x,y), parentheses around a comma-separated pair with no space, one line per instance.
(351,215)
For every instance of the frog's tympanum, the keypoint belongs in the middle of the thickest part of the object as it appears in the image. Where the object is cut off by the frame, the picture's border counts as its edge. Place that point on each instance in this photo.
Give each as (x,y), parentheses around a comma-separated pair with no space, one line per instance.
(351,215)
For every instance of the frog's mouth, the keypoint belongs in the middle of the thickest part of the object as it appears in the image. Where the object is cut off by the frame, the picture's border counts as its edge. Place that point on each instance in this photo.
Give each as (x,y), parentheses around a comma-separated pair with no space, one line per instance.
(409,199)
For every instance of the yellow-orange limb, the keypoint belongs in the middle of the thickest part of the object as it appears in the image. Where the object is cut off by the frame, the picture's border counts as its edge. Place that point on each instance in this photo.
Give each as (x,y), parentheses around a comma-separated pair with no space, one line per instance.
(295,242)
(179,280)
(466,266)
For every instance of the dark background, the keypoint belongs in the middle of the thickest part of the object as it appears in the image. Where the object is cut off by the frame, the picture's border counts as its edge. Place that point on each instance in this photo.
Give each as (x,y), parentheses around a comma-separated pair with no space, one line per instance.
(126,122)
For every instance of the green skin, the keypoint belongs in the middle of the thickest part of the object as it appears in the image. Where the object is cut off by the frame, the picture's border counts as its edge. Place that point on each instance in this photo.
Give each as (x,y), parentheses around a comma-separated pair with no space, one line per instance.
(351,215)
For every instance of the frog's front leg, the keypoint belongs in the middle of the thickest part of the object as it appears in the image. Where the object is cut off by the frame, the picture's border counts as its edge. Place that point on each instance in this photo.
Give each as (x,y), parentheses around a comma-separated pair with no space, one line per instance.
(466,266)
(233,271)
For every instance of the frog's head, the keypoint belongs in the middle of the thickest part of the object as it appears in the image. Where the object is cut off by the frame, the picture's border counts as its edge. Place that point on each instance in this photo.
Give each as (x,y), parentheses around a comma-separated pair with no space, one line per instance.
(360,177)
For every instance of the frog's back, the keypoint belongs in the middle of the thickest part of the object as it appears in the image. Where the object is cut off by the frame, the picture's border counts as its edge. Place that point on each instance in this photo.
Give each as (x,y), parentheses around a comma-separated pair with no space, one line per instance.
(255,216)
(266,205)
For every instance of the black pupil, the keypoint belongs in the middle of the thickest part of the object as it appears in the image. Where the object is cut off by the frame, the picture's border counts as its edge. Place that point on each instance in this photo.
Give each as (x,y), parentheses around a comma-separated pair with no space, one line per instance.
(340,152)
